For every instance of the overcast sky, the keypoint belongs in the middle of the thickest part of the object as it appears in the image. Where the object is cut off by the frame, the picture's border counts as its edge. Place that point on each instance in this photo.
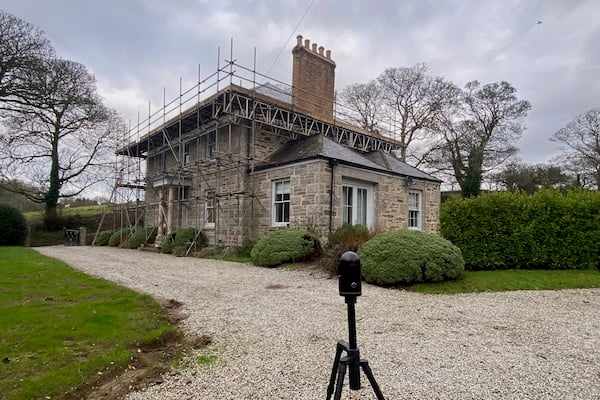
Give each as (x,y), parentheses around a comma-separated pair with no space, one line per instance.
(549,50)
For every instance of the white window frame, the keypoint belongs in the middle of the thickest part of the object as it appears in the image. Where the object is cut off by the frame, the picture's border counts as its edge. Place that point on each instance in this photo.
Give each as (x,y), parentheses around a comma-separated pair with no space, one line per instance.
(279,185)
(415,210)
(361,192)
(210,203)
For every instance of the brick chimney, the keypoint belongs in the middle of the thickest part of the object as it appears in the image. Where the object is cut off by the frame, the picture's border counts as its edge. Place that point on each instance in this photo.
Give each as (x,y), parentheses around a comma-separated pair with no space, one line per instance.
(313,80)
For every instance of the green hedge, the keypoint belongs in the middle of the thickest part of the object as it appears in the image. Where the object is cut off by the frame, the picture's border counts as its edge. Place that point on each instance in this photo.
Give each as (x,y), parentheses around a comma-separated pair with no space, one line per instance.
(179,242)
(13,228)
(103,238)
(119,237)
(287,245)
(546,230)
(141,236)
(404,256)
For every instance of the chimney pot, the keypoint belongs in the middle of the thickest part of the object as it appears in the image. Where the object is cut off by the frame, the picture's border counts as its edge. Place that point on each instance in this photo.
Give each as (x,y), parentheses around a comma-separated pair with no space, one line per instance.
(328,54)
(313,78)
(299,39)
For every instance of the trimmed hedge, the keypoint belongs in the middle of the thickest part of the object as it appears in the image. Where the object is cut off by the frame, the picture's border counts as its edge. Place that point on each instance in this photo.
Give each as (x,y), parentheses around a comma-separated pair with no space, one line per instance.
(13,228)
(287,245)
(404,256)
(546,230)
(141,236)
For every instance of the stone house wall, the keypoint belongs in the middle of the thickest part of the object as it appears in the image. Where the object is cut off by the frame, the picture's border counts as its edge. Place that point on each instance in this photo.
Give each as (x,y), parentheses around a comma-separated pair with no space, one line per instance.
(310,184)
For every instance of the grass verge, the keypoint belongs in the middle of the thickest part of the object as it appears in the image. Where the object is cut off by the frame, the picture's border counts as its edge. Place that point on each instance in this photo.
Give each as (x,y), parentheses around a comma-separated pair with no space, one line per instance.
(514,279)
(63,330)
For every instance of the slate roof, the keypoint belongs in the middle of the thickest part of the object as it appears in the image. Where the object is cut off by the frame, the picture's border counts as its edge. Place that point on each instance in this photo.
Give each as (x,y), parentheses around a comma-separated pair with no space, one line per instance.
(320,147)
(279,93)
(396,165)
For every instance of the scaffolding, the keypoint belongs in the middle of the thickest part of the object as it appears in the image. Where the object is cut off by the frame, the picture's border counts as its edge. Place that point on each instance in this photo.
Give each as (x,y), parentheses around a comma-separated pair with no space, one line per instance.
(187,163)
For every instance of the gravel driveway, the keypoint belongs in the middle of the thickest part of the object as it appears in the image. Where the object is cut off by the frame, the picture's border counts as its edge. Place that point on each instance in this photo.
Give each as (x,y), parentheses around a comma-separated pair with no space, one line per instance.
(274,333)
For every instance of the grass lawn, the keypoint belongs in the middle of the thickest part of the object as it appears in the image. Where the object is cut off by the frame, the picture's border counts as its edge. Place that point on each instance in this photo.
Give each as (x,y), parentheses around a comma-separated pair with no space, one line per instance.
(513,279)
(62,329)
(84,211)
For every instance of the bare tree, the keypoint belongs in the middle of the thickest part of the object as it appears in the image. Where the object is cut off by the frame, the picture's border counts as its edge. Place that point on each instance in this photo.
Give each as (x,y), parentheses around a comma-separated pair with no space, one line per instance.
(479,135)
(60,139)
(404,101)
(23,48)
(364,104)
(414,99)
(580,142)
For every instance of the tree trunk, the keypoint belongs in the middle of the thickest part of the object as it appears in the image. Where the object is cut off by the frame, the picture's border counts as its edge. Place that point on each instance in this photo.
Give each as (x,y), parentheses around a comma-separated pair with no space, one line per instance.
(470,185)
(51,221)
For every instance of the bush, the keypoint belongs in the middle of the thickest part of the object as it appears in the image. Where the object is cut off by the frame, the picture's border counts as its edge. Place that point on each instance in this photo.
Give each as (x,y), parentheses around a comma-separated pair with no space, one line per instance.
(103,238)
(245,249)
(179,241)
(345,238)
(119,237)
(13,228)
(548,229)
(141,236)
(287,245)
(404,256)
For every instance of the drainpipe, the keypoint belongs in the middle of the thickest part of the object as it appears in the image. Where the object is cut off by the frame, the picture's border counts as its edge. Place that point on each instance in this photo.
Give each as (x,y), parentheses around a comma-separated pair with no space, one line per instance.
(332,164)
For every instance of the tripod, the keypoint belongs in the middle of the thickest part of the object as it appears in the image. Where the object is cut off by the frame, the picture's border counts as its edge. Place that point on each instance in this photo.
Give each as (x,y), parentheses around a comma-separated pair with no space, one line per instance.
(351,361)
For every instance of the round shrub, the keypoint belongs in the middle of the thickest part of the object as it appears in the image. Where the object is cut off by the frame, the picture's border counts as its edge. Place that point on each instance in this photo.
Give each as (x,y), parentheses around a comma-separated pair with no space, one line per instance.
(13,228)
(119,237)
(179,241)
(103,238)
(404,256)
(287,245)
(141,236)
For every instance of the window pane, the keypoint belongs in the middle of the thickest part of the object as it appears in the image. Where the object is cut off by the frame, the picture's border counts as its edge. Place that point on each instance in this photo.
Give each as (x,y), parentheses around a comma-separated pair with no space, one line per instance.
(413,201)
(286,212)
(361,206)
(347,205)
(413,219)
(210,207)
(211,144)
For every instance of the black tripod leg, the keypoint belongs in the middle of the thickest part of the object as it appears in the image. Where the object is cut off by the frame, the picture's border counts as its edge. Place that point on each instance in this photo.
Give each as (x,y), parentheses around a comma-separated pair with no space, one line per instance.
(340,382)
(336,363)
(365,366)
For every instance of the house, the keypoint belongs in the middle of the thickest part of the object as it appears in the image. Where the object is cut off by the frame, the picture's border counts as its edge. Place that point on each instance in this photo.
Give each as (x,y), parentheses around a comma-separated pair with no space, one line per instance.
(245,161)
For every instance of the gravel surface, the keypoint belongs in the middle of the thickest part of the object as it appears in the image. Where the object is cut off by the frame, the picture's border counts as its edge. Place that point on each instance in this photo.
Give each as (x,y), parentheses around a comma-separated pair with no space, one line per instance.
(275,331)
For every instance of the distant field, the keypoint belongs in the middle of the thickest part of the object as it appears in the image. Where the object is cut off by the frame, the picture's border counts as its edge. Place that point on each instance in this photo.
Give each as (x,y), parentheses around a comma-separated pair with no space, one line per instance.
(84,211)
